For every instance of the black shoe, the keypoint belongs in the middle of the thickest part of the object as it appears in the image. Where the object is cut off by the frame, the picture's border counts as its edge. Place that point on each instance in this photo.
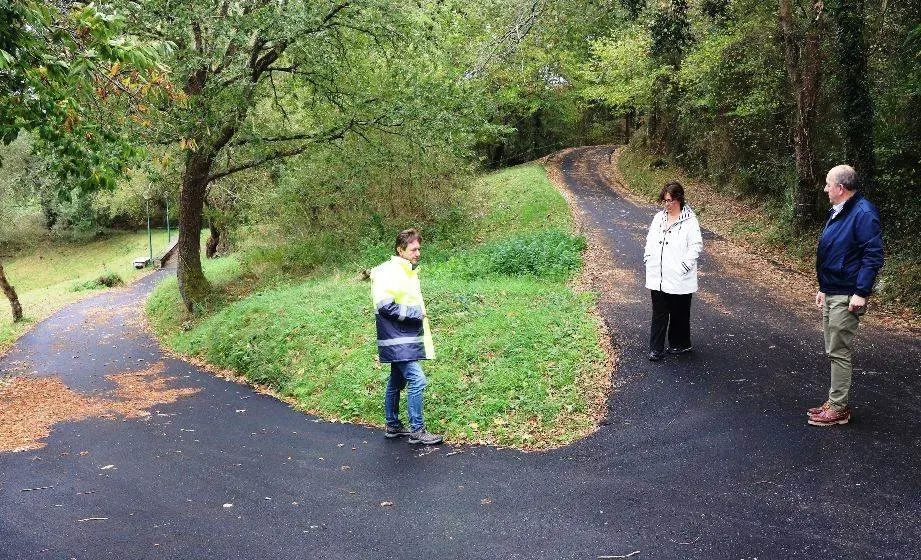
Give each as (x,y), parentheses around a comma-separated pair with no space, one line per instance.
(674,350)
(396,431)
(655,356)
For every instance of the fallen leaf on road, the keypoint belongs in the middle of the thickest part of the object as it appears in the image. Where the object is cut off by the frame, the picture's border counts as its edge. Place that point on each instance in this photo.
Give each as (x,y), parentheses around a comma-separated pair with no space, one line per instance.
(38,488)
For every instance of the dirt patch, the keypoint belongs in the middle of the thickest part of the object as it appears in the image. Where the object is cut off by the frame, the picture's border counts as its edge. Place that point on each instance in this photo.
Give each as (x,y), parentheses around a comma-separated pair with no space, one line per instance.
(31,406)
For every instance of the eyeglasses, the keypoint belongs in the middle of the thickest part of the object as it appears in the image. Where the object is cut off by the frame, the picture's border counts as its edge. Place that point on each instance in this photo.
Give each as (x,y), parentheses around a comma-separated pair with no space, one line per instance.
(667,200)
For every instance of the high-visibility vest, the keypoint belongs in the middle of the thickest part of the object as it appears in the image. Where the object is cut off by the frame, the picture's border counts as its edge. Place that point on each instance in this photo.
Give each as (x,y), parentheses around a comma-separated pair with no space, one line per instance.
(403,333)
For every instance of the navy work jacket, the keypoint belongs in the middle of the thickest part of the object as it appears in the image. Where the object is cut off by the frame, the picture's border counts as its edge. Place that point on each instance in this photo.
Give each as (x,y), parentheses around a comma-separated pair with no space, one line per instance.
(850,252)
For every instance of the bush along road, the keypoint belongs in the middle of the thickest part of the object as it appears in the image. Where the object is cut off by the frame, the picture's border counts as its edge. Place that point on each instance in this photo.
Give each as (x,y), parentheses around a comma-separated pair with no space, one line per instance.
(706,455)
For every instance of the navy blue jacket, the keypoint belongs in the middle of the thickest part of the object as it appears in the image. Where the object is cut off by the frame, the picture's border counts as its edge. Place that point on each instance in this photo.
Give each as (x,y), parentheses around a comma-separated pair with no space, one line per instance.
(850,252)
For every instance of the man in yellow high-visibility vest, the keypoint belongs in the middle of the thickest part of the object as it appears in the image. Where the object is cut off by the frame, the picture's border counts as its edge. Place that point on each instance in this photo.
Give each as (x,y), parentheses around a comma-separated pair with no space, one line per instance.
(403,336)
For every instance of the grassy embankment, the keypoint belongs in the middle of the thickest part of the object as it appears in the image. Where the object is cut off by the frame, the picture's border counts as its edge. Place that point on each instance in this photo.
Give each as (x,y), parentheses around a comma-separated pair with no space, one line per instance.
(518,354)
(51,274)
(900,280)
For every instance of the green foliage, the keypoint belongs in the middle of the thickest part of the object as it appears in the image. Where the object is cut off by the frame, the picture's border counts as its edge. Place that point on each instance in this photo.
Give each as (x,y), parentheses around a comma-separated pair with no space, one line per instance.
(529,70)
(553,254)
(57,66)
(670,33)
(620,73)
(901,276)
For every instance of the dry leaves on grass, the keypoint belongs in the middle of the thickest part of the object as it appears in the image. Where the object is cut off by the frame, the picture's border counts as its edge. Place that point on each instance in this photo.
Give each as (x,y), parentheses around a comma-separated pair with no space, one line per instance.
(31,406)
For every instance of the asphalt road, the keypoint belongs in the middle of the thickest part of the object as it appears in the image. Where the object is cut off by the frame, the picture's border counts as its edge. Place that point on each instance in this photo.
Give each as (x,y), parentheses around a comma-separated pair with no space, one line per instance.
(701,456)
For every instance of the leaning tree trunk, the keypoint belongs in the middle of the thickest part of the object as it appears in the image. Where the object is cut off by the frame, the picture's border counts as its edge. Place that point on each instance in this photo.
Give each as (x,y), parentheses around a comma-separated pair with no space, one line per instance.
(11,295)
(213,241)
(856,101)
(193,286)
(804,70)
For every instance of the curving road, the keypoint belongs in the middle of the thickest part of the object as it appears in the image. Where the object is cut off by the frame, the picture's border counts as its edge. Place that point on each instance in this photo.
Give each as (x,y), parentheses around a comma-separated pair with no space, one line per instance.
(701,456)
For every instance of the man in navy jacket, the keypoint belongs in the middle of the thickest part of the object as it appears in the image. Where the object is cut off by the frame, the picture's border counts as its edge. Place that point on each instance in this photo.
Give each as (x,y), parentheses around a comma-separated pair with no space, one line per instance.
(848,258)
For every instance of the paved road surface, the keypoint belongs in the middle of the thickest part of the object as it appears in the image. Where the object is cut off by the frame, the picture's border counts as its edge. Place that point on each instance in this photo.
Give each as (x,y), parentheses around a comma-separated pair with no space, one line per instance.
(702,456)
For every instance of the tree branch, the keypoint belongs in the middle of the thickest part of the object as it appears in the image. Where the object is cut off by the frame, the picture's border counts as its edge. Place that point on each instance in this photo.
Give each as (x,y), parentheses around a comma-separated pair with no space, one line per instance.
(326,136)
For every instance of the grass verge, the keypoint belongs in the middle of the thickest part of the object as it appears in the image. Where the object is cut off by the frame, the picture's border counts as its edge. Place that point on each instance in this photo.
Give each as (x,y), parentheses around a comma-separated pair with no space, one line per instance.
(518,356)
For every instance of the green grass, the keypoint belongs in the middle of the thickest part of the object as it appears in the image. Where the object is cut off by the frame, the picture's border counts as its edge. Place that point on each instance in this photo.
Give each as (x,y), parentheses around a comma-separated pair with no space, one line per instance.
(518,360)
(49,275)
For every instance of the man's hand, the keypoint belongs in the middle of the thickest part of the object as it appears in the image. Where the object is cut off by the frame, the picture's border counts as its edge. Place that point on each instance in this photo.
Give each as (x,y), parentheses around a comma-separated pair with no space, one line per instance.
(819,299)
(856,302)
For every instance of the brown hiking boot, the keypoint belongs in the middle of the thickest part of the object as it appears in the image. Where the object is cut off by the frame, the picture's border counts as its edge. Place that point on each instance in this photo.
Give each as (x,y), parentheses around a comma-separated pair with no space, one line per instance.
(830,417)
(818,409)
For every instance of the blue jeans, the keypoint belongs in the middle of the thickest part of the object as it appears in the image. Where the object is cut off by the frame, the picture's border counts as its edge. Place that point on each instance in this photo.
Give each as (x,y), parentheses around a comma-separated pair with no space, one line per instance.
(401,375)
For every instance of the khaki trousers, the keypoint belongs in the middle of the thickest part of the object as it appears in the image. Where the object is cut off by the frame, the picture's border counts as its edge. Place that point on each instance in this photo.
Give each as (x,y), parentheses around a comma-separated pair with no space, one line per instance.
(840,326)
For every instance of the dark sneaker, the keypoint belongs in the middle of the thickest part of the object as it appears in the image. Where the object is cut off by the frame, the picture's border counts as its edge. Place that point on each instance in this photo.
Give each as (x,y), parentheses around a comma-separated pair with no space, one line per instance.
(830,417)
(675,350)
(818,409)
(396,431)
(655,356)
(423,437)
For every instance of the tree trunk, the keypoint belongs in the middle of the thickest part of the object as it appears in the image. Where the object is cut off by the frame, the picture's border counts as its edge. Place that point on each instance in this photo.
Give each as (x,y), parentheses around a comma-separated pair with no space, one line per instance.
(628,125)
(193,286)
(804,70)
(213,241)
(856,102)
(654,124)
(10,293)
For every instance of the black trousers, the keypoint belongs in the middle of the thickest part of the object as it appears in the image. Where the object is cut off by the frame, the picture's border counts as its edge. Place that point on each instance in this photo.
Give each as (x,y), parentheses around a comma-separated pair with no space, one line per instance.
(671,313)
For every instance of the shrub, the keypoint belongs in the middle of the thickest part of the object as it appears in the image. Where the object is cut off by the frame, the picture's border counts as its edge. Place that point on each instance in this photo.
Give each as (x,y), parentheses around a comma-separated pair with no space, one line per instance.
(107,280)
(553,254)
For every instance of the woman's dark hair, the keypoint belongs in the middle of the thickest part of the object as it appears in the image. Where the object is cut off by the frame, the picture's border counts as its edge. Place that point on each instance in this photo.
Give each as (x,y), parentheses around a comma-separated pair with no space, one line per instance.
(674,189)
(405,237)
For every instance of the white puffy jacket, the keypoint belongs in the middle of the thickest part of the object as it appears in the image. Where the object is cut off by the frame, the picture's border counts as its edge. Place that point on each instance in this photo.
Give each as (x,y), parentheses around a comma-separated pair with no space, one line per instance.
(671,254)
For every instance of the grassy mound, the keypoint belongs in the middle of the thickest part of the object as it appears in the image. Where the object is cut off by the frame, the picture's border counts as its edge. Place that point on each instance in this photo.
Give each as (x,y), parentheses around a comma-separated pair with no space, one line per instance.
(518,360)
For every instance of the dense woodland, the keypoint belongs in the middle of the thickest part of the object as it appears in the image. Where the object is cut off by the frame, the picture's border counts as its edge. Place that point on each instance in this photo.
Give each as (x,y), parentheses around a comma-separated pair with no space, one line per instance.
(296,131)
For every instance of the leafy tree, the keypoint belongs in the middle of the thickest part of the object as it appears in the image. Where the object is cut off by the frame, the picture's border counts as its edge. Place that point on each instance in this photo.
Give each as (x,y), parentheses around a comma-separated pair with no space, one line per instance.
(670,35)
(263,81)
(57,64)
(620,73)
(856,101)
(803,48)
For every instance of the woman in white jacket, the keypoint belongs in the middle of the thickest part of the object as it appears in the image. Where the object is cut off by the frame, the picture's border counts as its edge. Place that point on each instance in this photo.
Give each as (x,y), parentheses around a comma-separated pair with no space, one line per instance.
(672,247)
